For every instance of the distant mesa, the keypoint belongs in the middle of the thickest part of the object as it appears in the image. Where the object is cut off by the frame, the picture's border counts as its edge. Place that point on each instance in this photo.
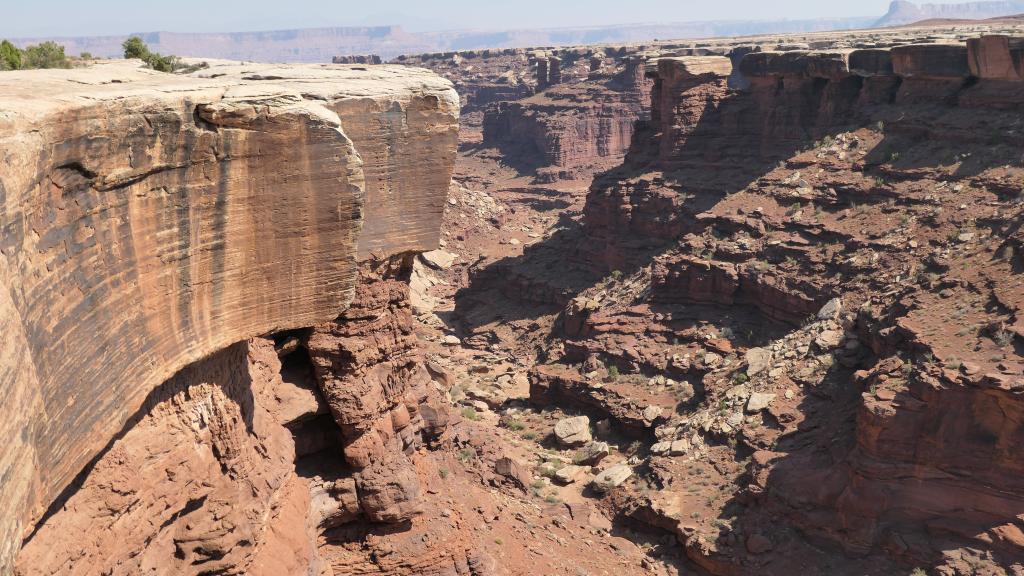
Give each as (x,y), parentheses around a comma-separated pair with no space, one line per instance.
(902,12)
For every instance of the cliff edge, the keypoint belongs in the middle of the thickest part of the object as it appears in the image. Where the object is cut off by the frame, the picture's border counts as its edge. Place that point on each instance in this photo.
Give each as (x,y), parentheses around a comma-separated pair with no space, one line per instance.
(151,220)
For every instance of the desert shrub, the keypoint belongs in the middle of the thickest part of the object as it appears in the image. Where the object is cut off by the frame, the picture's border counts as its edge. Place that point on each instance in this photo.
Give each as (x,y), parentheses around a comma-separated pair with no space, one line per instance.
(45,55)
(613,372)
(10,56)
(134,47)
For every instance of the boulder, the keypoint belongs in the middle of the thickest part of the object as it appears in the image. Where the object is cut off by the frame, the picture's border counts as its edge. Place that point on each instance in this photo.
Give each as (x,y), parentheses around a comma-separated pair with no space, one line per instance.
(570,474)
(612,477)
(438,259)
(514,471)
(759,401)
(661,448)
(389,490)
(592,453)
(679,447)
(831,310)
(651,414)
(573,432)
(758,360)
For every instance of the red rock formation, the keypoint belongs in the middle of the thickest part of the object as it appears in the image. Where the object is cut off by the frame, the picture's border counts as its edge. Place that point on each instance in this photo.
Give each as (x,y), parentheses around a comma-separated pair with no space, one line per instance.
(571,128)
(916,467)
(152,220)
(374,381)
(192,484)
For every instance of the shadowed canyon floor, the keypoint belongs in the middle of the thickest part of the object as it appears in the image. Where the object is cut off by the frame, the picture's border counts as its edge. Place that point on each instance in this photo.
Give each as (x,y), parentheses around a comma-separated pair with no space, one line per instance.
(743,307)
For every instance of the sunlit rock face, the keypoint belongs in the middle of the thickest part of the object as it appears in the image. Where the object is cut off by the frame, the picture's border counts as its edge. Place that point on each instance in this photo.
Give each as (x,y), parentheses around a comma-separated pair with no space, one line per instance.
(148,221)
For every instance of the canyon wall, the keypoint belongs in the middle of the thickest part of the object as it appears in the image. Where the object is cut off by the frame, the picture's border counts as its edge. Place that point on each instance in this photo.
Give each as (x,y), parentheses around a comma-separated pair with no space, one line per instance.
(150,221)
(583,118)
(850,209)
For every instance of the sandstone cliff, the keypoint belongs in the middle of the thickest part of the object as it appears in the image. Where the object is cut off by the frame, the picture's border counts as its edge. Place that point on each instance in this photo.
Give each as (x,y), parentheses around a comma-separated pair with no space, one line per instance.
(150,221)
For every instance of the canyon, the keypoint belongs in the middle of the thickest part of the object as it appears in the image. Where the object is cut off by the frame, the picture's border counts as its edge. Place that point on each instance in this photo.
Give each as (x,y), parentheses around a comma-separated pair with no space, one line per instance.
(726,306)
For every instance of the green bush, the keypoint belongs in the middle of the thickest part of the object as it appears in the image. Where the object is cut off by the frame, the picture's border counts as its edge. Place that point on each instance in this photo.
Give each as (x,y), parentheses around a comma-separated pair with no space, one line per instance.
(45,55)
(10,56)
(134,47)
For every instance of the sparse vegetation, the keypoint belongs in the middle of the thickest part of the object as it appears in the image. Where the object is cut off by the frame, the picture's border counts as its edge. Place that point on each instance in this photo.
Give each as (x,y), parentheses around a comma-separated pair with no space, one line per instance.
(1002,336)
(613,372)
(134,47)
(469,413)
(43,55)
(10,56)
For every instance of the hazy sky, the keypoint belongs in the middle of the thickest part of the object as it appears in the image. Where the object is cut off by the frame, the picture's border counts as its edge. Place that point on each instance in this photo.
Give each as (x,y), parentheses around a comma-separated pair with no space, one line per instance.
(22,18)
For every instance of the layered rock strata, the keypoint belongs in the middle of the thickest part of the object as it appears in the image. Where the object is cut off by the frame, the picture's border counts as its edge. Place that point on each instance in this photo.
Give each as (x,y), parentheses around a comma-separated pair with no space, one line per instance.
(571,128)
(151,220)
(869,174)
